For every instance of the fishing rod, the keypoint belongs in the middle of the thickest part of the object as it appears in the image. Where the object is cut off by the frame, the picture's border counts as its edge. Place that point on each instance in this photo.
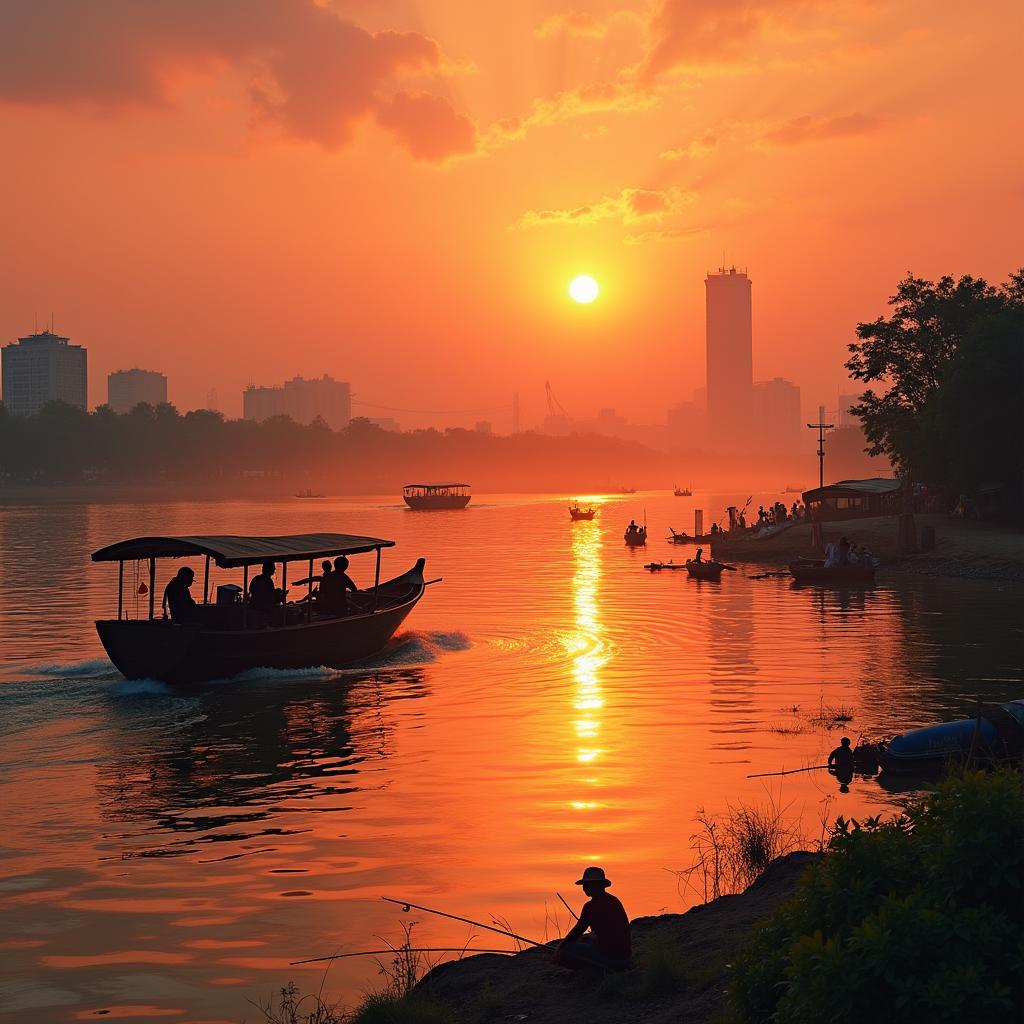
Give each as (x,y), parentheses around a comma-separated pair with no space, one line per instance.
(400,949)
(567,907)
(792,771)
(406,905)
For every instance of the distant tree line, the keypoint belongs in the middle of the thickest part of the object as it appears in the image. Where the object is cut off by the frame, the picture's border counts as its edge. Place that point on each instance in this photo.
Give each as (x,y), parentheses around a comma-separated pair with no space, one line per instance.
(64,444)
(948,406)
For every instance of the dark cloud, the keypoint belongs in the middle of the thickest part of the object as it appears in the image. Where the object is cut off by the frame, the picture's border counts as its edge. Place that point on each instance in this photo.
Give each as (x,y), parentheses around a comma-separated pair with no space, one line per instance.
(428,126)
(314,74)
(692,32)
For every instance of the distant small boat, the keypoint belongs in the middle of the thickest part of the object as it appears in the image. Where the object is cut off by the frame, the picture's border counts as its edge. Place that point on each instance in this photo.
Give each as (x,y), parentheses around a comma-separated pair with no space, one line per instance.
(578,514)
(705,570)
(636,538)
(1001,735)
(814,571)
(308,493)
(625,490)
(792,489)
(688,538)
(683,492)
(423,497)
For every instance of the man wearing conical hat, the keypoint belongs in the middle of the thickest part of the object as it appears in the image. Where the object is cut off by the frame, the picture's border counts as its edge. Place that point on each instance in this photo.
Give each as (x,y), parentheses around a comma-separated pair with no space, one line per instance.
(608,944)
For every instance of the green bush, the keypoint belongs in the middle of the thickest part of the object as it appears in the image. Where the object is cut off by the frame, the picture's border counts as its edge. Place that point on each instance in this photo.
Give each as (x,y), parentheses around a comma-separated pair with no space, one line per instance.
(918,918)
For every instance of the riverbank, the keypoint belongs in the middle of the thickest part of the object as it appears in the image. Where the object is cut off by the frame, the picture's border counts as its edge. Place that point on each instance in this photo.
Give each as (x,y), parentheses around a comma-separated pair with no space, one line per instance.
(962,548)
(682,964)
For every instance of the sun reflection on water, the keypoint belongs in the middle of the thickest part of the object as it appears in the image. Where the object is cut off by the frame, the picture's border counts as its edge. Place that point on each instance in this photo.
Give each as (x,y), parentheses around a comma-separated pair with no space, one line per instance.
(586,646)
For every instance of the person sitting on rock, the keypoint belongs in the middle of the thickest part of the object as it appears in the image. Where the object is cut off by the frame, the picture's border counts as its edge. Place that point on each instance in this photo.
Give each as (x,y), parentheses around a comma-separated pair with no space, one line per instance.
(608,944)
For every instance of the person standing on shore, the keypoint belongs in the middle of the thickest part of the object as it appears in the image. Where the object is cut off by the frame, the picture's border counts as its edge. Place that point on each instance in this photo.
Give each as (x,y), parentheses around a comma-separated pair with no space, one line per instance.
(608,945)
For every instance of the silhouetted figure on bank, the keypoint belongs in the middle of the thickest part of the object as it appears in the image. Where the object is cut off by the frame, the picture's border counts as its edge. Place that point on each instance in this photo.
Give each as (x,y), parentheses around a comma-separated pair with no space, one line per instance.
(842,756)
(335,587)
(178,598)
(608,944)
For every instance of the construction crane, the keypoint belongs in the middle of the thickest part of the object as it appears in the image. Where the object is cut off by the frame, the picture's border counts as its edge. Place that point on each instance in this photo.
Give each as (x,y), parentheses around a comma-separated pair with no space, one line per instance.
(554,405)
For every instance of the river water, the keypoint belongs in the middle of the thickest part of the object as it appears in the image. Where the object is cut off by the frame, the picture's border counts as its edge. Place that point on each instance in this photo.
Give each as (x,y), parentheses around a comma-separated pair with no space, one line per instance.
(549,705)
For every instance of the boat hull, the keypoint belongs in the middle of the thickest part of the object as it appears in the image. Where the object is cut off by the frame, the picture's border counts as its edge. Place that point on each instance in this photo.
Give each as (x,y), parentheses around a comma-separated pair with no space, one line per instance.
(580,517)
(639,541)
(999,734)
(815,572)
(186,653)
(426,503)
(704,570)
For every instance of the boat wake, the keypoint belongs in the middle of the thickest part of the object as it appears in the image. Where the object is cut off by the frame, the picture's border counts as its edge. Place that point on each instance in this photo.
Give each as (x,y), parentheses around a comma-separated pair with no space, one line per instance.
(74,670)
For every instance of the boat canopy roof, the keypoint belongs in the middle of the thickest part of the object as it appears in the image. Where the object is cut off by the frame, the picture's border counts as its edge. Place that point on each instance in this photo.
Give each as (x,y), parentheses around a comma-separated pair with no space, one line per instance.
(429,486)
(853,488)
(230,552)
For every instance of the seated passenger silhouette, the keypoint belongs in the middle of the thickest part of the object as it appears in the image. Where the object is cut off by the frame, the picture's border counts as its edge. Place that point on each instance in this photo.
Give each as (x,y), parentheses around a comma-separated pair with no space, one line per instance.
(178,598)
(334,588)
(263,595)
(608,944)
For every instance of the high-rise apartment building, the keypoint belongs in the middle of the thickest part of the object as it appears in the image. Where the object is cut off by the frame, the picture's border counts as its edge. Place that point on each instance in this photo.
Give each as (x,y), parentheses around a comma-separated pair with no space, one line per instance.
(776,408)
(128,388)
(302,400)
(845,418)
(41,368)
(730,361)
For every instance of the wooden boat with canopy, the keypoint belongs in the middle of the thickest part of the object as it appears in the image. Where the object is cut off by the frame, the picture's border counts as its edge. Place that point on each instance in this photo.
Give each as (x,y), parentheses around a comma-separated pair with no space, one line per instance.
(579,514)
(436,496)
(224,637)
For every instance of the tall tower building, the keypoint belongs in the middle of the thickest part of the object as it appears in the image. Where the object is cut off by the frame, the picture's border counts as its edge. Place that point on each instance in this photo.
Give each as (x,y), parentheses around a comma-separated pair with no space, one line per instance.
(128,388)
(41,368)
(730,358)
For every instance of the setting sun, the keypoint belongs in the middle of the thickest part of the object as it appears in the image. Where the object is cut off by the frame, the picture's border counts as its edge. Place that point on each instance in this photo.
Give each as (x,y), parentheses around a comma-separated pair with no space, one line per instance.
(583,289)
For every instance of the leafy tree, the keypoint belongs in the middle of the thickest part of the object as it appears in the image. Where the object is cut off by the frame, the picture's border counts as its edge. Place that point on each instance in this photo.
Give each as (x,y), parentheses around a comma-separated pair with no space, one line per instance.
(911,355)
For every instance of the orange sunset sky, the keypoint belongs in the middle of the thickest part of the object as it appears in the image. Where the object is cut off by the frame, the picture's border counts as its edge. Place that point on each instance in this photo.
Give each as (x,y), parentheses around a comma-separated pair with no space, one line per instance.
(397,193)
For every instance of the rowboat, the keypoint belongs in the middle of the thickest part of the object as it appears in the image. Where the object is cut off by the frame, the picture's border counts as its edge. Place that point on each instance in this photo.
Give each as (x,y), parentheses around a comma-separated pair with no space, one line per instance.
(578,514)
(637,538)
(425,497)
(686,538)
(996,734)
(224,637)
(704,570)
(814,571)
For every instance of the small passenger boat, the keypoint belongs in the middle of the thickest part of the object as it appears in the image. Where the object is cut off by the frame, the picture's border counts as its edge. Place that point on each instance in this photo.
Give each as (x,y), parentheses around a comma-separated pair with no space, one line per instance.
(578,514)
(309,493)
(814,571)
(225,637)
(683,492)
(423,497)
(688,538)
(1000,736)
(636,538)
(705,570)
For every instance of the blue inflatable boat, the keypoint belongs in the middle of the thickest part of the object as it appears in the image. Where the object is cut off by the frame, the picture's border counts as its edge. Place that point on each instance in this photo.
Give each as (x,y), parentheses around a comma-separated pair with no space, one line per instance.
(1001,736)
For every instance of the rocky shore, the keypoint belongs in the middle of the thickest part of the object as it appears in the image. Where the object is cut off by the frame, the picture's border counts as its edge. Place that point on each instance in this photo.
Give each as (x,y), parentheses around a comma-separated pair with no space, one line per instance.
(962,549)
(682,964)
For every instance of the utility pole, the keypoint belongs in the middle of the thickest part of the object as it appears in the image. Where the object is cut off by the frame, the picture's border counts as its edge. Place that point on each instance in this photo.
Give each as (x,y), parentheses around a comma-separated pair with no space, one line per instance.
(821,426)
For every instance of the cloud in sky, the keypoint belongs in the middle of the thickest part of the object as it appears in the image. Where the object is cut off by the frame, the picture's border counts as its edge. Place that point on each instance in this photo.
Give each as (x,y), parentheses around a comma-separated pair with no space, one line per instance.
(695,149)
(693,32)
(630,206)
(815,129)
(312,73)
